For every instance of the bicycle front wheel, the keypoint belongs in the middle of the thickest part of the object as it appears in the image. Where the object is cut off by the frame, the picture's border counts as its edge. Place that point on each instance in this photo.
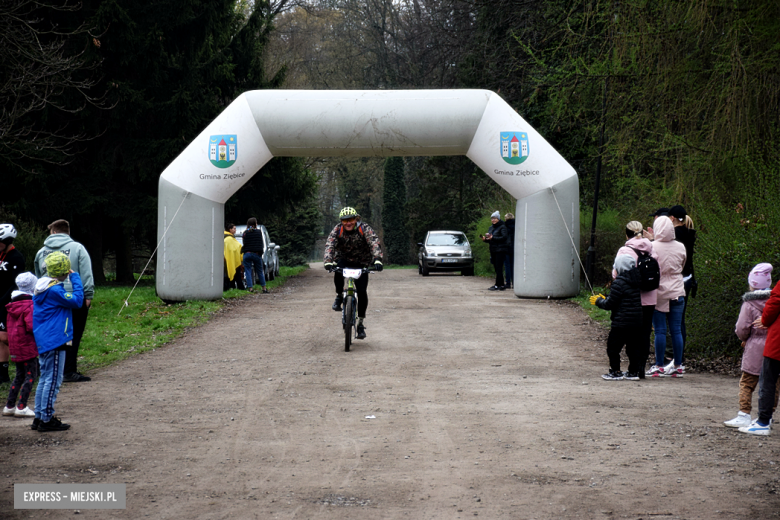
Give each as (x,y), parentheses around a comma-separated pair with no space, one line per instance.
(349,324)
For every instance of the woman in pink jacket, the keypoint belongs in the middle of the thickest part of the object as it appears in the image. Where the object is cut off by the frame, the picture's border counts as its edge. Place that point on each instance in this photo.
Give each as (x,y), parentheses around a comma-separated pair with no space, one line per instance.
(670,301)
(635,243)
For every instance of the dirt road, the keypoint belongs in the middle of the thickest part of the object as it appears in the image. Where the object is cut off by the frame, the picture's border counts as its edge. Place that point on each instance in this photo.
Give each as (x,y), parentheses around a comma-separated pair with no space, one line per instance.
(485,405)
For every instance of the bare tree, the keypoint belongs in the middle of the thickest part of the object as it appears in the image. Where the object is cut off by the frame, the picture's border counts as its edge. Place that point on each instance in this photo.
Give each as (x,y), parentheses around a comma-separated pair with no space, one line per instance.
(37,68)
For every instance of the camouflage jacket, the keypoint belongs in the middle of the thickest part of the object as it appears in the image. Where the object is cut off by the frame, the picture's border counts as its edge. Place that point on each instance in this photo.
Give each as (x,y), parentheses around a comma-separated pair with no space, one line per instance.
(361,248)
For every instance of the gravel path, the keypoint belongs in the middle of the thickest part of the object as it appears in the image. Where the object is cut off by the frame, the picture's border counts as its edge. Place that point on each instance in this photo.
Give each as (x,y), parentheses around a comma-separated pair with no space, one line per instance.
(482,405)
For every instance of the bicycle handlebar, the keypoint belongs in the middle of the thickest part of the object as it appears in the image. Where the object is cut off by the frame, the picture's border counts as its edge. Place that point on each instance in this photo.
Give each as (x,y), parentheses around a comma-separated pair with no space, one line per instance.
(363,269)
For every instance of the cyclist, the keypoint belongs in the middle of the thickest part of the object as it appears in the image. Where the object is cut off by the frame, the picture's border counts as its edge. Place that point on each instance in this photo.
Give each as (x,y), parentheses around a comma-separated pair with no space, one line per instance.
(352,244)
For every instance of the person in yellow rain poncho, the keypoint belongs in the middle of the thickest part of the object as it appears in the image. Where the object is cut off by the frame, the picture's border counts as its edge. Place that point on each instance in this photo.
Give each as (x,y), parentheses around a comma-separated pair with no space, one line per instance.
(234,271)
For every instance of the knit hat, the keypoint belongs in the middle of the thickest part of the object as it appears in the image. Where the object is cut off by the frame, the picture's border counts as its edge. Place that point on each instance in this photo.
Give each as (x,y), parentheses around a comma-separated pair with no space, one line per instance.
(26,283)
(760,276)
(57,264)
(496,214)
(635,227)
(624,263)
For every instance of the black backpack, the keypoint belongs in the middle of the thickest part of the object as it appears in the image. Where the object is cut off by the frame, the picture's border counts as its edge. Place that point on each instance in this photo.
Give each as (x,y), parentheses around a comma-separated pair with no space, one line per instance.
(649,270)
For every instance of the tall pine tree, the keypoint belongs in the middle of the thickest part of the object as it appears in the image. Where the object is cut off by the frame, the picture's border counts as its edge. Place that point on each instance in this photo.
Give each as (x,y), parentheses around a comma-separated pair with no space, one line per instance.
(394,214)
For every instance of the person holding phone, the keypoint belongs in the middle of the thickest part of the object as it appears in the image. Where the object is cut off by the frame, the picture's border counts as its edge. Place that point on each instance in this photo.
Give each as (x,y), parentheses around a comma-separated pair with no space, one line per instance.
(497,238)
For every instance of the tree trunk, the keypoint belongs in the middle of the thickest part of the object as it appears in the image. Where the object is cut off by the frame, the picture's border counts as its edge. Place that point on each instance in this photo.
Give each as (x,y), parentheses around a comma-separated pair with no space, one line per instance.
(124,257)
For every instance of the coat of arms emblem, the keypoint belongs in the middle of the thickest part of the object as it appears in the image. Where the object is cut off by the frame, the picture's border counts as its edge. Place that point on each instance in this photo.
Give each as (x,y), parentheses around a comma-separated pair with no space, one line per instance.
(223,150)
(514,147)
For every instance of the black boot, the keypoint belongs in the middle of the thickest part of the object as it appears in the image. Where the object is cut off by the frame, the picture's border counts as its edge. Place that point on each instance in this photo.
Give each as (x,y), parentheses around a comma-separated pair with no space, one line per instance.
(337,302)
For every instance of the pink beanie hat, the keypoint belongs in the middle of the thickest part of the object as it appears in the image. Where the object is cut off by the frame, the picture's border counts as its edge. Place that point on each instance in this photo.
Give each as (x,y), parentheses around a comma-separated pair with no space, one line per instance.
(760,276)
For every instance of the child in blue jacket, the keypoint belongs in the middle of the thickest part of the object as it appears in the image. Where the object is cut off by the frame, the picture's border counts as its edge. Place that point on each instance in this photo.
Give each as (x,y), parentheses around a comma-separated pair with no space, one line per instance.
(53,329)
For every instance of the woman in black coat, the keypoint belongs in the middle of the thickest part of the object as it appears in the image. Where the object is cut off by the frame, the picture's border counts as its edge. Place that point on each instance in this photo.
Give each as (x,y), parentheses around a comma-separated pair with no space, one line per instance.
(497,238)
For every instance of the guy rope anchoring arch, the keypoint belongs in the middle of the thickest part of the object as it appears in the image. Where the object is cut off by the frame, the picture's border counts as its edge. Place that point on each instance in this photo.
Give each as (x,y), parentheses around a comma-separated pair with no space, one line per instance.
(263,124)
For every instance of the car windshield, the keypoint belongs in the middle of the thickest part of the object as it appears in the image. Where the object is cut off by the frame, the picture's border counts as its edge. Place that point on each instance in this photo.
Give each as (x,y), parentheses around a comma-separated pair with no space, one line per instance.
(447,239)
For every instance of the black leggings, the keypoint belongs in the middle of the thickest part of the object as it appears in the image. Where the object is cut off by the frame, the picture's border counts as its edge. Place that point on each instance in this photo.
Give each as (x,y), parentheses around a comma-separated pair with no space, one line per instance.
(498,265)
(26,372)
(361,284)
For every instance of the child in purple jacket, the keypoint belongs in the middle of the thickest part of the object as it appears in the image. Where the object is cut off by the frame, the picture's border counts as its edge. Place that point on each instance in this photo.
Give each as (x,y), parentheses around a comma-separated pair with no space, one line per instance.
(753,301)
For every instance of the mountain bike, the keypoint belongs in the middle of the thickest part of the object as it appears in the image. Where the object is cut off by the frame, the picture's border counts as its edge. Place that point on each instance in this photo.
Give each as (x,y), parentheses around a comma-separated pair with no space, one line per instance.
(350,304)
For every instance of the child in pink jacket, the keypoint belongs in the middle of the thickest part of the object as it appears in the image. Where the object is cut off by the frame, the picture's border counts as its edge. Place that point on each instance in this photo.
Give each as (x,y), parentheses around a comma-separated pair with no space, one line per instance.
(753,339)
(21,342)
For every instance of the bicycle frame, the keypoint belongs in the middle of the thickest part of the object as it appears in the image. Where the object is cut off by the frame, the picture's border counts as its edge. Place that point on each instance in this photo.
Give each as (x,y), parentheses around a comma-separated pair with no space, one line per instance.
(350,299)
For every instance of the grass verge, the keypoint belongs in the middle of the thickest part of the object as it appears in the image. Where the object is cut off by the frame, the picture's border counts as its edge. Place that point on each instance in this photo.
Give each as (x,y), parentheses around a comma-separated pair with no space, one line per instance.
(145,324)
(598,315)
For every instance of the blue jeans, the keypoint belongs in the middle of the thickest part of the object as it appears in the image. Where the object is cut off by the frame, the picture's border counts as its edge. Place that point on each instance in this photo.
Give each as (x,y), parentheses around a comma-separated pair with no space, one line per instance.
(52,368)
(509,267)
(674,319)
(256,261)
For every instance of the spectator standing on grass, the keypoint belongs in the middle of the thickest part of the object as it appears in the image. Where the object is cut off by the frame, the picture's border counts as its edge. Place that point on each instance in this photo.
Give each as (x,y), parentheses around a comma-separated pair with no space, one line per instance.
(509,261)
(253,250)
(753,339)
(53,307)
(625,302)
(670,301)
(11,265)
(770,367)
(685,233)
(21,341)
(59,240)
(636,245)
(497,238)
(234,271)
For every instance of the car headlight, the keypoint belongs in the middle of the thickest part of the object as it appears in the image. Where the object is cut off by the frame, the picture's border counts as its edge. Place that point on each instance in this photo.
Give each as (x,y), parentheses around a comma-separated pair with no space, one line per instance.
(467,253)
(430,252)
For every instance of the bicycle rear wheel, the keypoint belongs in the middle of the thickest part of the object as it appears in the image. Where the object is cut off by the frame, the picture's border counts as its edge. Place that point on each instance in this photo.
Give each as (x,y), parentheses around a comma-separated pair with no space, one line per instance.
(349,314)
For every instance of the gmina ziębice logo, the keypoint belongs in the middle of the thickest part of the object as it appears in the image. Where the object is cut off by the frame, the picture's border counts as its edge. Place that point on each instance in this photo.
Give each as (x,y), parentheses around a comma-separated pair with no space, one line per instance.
(223,150)
(514,147)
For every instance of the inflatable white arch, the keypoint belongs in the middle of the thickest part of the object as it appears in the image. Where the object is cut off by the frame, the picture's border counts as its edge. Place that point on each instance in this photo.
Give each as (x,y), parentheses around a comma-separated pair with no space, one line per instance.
(263,124)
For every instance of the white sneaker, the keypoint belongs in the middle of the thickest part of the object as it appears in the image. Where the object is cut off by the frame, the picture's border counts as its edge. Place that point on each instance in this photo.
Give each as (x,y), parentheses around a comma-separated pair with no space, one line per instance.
(655,371)
(674,372)
(670,366)
(9,411)
(755,429)
(24,412)
(742,419)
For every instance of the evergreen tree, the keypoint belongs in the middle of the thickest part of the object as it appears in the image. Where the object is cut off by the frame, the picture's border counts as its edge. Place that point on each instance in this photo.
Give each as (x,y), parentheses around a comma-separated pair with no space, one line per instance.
(394,214)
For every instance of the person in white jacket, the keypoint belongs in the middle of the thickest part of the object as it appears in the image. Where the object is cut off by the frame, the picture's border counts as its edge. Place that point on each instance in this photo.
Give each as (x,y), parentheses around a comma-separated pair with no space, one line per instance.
(670,298)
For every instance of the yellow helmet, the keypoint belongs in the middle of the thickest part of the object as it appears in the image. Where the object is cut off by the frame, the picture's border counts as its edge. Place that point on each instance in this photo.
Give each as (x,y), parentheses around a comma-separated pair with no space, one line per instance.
(348,213)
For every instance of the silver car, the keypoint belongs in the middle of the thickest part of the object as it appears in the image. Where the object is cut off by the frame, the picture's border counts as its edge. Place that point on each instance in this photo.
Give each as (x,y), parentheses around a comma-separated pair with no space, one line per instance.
(270,254)
(445,251)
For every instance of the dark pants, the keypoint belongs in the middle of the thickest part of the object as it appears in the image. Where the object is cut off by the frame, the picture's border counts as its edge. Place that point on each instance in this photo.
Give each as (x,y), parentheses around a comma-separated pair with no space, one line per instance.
(647,328)
(631,337)
(361,286)
(72,351)
(498,265)
(509,265)
(26,373)
(767,386)
(236,283)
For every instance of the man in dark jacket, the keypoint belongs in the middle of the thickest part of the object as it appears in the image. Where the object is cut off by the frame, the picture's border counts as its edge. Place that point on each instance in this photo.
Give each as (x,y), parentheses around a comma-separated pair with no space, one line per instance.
(498,239)
(11,266)
(253,250)
(625,303)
